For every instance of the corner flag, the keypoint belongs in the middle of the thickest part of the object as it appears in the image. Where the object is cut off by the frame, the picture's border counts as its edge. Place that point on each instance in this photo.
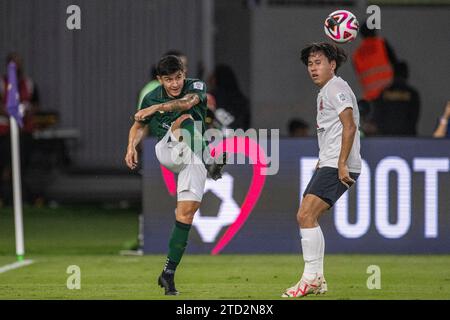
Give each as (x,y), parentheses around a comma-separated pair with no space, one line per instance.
(13,101)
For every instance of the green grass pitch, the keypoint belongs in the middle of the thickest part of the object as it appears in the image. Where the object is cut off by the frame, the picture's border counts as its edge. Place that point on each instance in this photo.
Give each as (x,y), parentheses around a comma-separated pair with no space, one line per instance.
(91,238)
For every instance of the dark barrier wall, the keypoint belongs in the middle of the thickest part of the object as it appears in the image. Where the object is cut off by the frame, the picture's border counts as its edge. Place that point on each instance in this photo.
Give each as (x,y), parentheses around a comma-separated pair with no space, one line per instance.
(92,76)
(400,203)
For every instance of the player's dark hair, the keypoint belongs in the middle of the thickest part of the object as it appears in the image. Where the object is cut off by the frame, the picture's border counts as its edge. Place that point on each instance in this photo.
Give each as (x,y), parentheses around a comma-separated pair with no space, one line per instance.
(169,65)
(331,51)
(174,52)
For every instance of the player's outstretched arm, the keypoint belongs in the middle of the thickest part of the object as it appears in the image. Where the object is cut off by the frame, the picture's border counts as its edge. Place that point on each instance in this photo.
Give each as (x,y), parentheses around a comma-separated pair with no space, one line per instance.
(182,104)
(137,132)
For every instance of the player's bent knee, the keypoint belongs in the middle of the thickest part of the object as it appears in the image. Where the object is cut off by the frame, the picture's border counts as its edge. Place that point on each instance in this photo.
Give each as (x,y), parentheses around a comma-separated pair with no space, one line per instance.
(186,211)
(306,218)
(187,207)
(176,126)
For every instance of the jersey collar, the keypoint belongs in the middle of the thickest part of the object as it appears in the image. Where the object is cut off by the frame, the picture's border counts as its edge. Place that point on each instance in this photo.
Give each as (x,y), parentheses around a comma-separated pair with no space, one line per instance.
(327,84)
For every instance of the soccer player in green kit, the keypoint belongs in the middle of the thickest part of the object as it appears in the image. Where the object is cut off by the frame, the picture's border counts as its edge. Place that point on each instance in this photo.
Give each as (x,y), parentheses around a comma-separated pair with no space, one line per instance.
(171,112)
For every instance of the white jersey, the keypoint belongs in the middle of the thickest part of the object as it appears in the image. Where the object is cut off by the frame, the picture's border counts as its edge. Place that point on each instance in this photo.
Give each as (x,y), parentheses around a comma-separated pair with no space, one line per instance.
(333,98)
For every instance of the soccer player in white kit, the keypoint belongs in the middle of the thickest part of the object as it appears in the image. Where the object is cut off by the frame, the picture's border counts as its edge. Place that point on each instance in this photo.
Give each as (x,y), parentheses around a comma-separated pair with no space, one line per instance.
(339,162)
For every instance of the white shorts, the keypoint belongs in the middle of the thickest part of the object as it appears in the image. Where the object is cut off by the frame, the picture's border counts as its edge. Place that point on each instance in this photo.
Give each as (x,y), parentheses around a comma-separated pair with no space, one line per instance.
(179,158)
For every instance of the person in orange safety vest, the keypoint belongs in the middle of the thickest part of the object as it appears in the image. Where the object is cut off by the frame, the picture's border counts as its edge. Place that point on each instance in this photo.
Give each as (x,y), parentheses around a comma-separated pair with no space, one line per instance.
(373,61)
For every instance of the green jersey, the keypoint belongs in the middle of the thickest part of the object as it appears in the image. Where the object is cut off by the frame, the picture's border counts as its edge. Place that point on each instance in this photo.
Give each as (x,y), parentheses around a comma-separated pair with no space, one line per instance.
(159,122)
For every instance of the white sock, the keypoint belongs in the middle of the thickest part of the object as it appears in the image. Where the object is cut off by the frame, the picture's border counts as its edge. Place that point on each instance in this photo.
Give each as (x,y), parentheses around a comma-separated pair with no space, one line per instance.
(311,247)
(322,251)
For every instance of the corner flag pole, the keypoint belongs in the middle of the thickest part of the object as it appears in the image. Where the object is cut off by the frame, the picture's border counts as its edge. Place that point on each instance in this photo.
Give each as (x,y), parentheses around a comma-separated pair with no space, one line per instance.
(15,118)
(17,189)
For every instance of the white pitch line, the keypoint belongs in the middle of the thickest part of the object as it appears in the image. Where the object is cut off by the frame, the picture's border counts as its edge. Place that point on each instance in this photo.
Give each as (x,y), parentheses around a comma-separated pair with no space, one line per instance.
(15,265)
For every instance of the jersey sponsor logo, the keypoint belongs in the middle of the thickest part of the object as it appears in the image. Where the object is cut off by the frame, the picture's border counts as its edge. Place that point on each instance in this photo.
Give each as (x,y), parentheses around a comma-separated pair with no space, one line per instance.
(342,97)
(319,130)
(198,85)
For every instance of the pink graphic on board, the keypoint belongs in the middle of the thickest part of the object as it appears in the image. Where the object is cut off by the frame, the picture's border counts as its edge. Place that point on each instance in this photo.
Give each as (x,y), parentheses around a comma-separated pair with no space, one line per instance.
(236,145)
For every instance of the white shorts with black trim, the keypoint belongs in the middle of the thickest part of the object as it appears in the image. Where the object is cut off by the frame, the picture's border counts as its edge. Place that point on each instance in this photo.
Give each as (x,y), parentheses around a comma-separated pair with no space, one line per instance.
(179,158)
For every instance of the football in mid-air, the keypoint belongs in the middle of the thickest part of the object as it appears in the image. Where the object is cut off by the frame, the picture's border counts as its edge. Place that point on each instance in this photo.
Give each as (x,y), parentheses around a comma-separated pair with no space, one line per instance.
(341,26)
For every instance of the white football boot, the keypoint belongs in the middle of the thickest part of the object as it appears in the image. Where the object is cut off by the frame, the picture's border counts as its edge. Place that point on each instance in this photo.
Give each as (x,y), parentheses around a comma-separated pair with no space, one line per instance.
(305,287)
(323,287)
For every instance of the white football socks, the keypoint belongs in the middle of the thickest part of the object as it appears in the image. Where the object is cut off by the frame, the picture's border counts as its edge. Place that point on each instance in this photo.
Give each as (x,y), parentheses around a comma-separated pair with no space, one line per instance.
(322,251)
(313,247)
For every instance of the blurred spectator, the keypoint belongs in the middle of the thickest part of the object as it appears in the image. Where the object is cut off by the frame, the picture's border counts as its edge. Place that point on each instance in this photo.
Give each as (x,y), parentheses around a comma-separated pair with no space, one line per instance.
(367,127)
(373,61)
(210,120)
(150,86)
(396,111)
(298,128)
(29,100)
(232,106)
(443,128)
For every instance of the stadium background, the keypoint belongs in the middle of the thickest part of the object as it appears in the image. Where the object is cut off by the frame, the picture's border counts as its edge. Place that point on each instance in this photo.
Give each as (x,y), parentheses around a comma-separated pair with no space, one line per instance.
(91,77)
